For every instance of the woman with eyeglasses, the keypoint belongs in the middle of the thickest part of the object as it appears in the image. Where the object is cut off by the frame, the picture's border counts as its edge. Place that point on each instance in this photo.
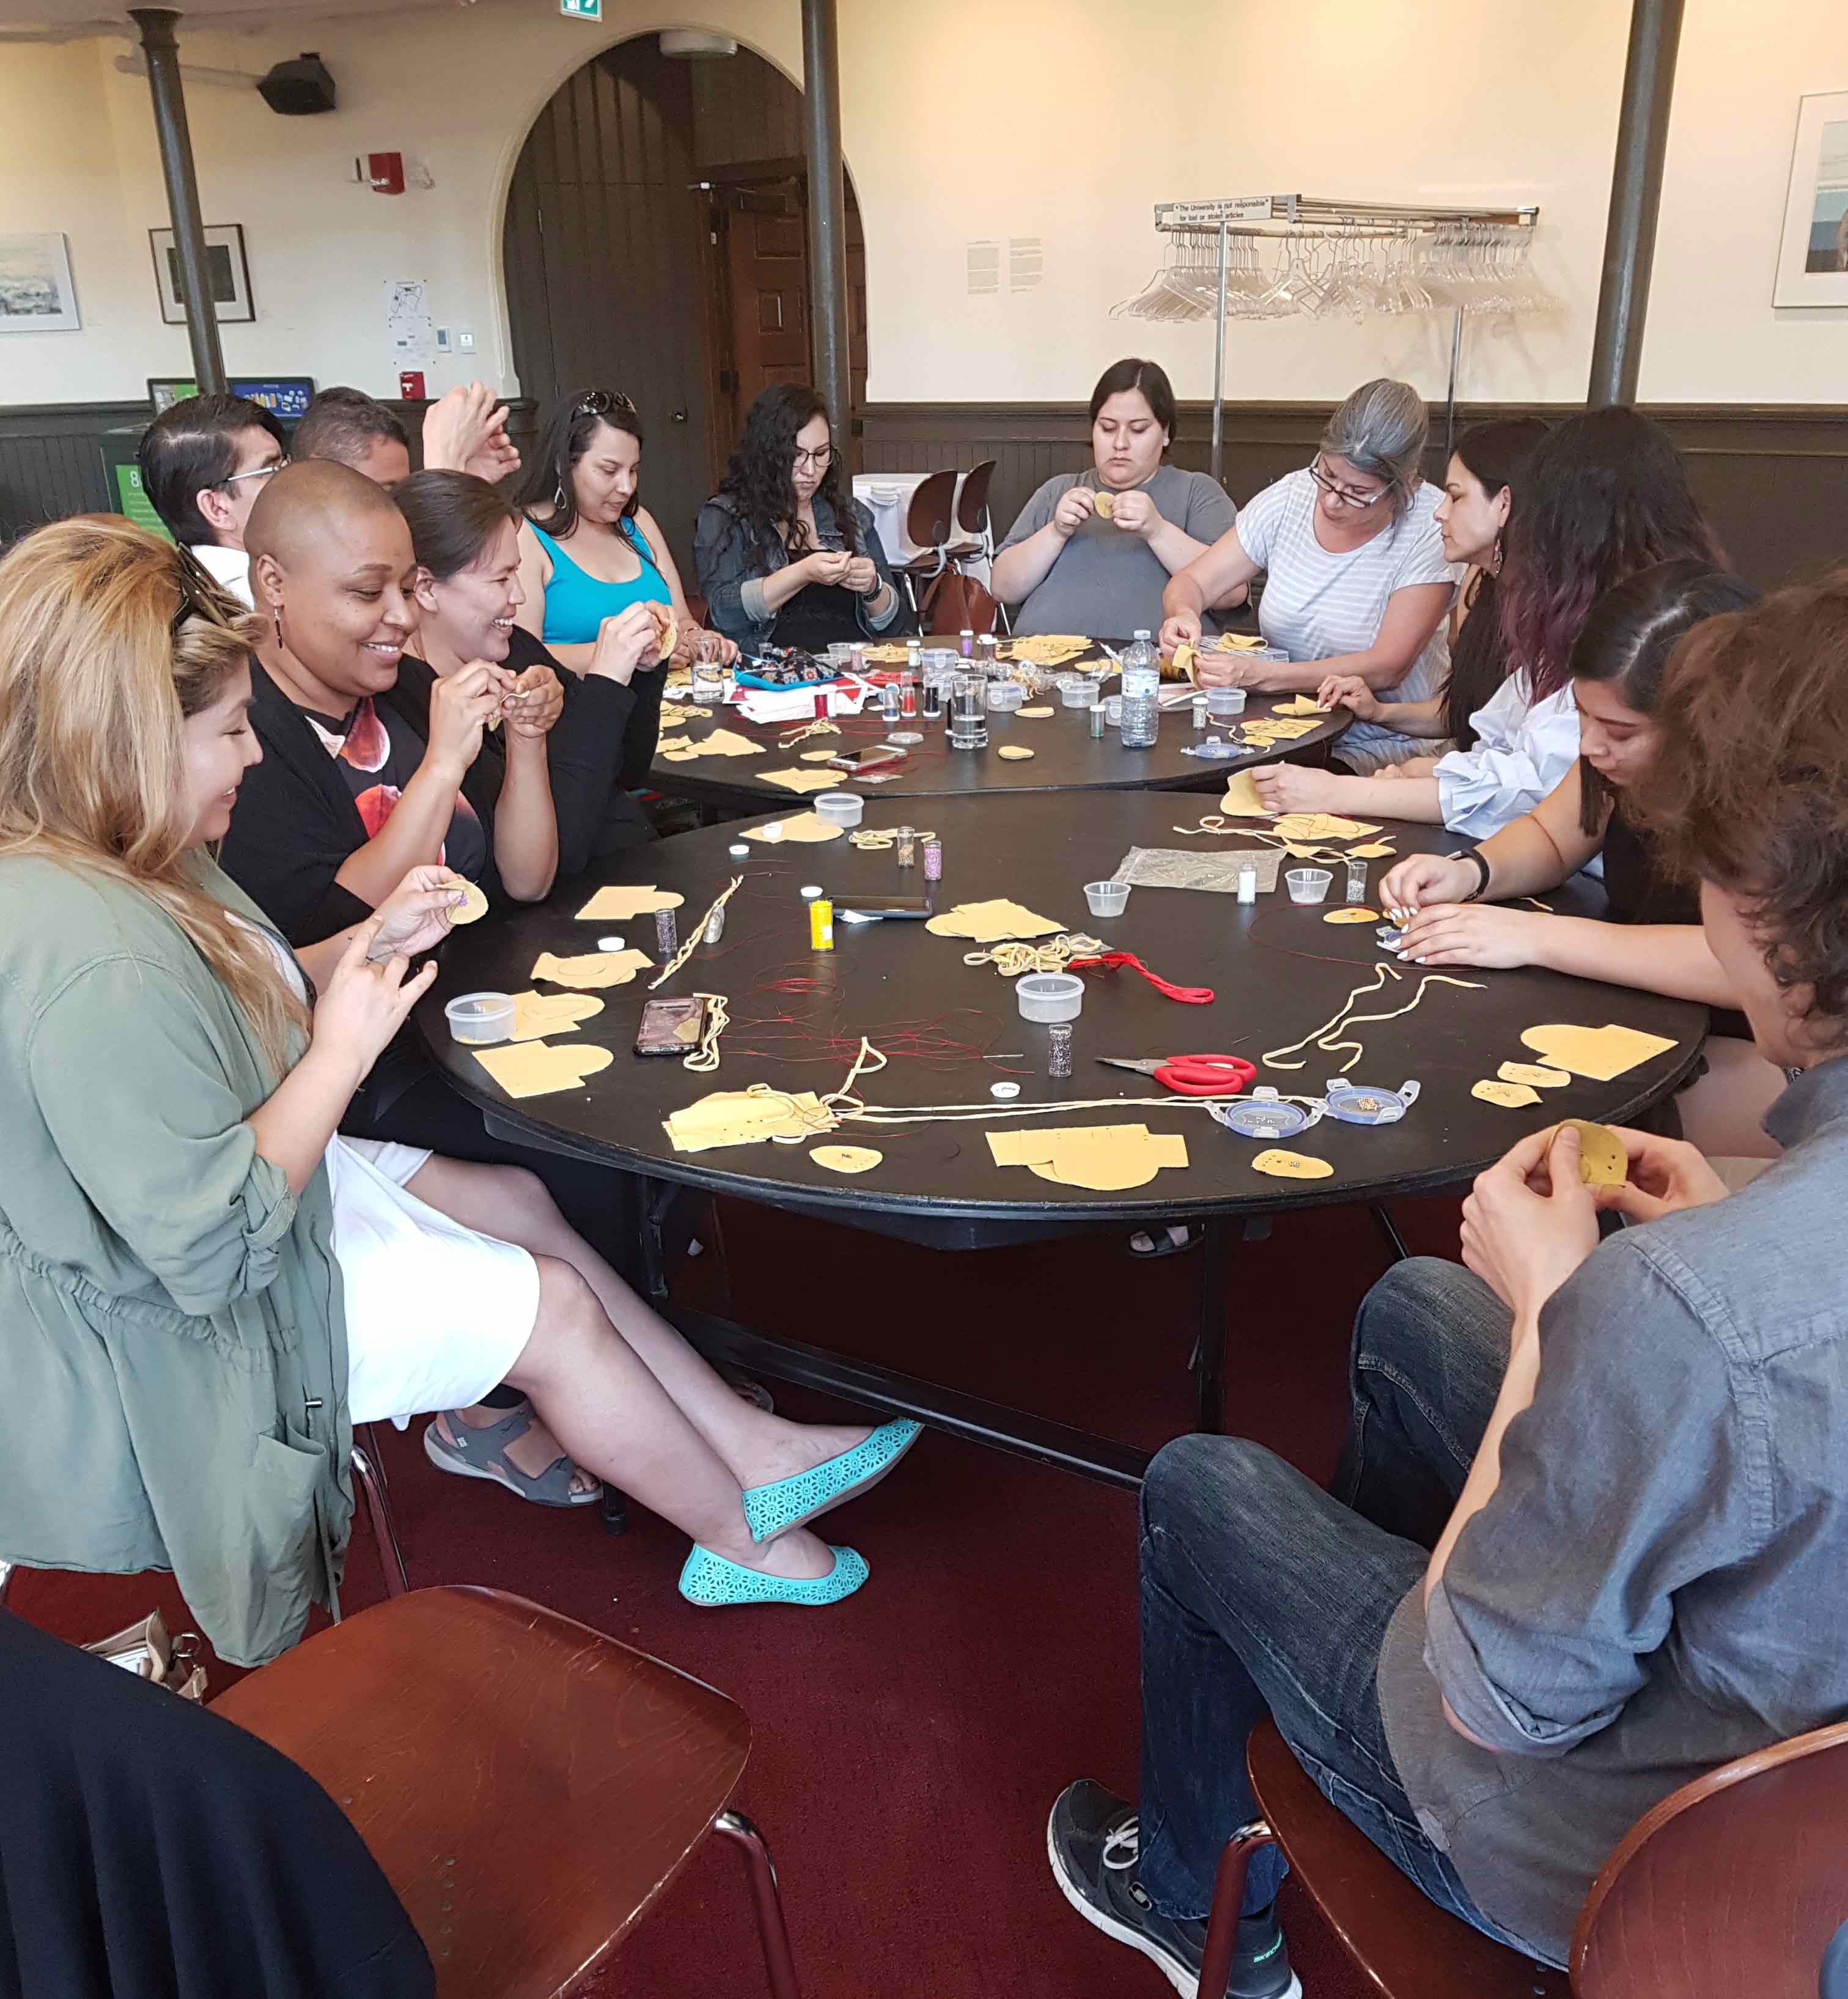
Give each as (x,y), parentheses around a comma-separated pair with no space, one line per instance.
(1091,551)
(589,549)
(1357,583)
(784,557)
(205,1287)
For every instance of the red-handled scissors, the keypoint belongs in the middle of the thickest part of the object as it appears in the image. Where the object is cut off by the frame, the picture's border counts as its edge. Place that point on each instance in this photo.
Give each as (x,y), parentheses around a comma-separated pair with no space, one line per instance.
(1191,1076)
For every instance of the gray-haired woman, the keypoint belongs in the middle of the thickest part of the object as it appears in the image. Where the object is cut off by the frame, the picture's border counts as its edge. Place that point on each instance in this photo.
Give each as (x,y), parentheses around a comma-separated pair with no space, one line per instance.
(1355,578)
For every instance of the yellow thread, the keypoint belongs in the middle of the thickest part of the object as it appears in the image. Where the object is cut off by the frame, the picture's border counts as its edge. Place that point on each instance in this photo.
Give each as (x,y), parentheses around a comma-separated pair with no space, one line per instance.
(875,839)
(692,943)
(1011,960)
(1346,1017)
(803,734)
(705,1059)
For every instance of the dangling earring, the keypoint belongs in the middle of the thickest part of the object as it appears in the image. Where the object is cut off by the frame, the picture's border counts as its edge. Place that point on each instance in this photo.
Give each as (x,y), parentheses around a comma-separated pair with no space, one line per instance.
(1495,558)
(276,618)
(558,497)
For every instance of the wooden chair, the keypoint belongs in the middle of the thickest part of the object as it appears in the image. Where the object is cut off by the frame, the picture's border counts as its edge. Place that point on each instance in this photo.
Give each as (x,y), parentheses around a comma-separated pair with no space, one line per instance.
(528,1787)
(1734,1884)
(927,524)
(972,519)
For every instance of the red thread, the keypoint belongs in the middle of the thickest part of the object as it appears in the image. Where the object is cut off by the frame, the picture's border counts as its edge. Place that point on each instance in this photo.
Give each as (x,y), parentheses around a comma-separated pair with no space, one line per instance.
(1112,960)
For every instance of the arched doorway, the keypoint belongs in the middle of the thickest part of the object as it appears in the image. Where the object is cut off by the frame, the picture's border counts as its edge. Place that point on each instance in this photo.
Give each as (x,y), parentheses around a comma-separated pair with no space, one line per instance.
(655,241)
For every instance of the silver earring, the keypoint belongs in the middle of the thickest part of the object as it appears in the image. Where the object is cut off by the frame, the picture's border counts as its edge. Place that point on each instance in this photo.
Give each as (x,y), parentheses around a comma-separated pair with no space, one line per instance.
(558,497)
(276,618)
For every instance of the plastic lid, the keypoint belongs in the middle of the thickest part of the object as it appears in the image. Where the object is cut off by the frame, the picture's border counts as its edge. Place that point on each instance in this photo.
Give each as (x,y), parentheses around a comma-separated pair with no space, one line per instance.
(737,849)
(1261,1121)
(1144,633)
(810,891)
(609,943)
(1003,1089)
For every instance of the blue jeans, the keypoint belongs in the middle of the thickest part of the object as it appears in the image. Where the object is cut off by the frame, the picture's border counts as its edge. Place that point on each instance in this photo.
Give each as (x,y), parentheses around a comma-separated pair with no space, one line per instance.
(1263,1594)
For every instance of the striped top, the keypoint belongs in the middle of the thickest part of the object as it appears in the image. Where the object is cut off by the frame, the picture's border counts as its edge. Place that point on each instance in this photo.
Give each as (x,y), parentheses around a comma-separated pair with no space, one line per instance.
(1318,605)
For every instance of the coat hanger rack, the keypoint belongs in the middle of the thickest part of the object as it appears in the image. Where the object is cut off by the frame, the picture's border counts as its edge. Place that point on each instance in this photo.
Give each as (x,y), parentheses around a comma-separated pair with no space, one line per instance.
(1274,255)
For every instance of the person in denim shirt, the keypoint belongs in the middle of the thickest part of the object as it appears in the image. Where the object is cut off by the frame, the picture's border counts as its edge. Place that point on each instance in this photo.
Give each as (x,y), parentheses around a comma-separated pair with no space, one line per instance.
(783,556)
(1632,1453)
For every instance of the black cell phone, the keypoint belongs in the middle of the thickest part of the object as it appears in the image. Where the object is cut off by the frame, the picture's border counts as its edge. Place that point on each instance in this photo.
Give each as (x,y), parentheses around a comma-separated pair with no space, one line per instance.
(670,1027)
(865,759)
(887,905)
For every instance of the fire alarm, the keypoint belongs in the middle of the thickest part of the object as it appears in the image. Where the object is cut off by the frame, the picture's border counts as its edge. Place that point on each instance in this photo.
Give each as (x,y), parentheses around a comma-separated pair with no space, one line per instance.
(411,384)
(386,172)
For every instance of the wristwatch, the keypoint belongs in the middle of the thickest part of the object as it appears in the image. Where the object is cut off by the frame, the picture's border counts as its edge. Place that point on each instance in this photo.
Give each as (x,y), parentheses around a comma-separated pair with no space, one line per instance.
(1475,857)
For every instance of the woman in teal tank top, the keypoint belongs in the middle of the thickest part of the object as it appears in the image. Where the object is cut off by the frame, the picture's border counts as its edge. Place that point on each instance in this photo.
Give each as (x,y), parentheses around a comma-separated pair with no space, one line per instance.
(588,549)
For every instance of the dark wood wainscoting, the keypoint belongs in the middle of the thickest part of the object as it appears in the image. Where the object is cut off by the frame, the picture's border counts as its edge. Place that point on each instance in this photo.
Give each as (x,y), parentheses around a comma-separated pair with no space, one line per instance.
(1774,479)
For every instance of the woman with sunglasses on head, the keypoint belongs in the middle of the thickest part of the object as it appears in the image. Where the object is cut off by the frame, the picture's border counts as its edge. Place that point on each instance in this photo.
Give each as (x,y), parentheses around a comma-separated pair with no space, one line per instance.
(1601,496)
(589,549)
(1356,583)
(464,534)
(785,556)
(205,1288)
(1652,939)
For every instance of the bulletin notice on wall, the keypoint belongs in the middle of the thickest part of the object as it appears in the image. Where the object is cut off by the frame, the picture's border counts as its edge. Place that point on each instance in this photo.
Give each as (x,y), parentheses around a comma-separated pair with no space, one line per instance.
(407,320)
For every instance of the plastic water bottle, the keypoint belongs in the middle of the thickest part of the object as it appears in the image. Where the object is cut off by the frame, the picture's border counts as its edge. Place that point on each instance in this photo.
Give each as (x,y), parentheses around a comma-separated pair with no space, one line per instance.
(1141,694)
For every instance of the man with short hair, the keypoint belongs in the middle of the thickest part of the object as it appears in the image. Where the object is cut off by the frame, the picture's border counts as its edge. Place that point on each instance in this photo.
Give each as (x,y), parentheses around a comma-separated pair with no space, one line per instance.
(464,430)
(203,463)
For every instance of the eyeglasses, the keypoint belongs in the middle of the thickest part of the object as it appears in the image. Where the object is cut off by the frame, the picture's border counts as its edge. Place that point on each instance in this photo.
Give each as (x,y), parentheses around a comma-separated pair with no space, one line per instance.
(256,472)
(816,459)
(1346,495)
(200,594)
(600,401)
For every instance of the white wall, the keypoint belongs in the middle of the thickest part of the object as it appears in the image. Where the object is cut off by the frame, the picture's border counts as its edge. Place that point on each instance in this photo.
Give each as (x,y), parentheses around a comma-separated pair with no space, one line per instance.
(1060,119)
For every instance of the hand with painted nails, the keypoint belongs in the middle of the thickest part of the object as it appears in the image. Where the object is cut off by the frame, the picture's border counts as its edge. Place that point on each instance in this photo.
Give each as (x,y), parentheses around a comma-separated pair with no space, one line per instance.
(1423,878)
(415,917)
(1478,934)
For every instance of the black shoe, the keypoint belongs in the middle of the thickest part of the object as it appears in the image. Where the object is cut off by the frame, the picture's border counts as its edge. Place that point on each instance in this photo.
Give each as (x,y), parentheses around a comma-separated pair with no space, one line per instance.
(1092,1841)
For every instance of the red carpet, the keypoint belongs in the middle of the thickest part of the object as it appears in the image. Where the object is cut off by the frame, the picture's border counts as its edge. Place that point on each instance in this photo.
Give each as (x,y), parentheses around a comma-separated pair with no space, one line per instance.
(910,1742)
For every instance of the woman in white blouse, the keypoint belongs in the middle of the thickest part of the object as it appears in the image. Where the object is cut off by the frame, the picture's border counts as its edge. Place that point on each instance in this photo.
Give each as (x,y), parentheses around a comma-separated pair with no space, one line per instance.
(1357,582)
(1598,498)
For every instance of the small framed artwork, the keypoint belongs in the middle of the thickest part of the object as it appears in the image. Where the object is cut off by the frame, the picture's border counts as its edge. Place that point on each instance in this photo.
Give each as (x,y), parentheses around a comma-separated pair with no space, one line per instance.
(37,295)
(1812,261)
(226,271)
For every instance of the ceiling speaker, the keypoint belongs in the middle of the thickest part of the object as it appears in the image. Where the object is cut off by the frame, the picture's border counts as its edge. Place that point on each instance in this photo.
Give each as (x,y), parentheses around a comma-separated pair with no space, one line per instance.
(299,89)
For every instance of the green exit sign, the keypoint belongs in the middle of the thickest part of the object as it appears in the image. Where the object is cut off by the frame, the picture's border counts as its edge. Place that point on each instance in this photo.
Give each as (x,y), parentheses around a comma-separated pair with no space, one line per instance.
(585,10)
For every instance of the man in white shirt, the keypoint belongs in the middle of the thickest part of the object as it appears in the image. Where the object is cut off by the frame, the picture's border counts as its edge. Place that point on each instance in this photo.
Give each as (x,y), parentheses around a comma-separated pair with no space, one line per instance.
(203,463)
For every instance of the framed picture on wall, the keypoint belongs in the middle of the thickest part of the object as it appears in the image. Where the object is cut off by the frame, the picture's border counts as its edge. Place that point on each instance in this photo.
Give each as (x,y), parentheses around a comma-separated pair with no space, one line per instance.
(226,271)
(1812,261)
(37,295)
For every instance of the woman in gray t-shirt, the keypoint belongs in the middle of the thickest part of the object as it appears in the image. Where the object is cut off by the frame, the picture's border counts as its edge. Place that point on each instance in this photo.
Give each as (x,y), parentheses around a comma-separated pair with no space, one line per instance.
(1092,552)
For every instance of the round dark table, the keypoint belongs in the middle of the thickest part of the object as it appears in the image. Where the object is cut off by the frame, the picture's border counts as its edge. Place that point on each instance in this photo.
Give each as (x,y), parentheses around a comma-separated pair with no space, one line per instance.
(1278,971)
(1067,756)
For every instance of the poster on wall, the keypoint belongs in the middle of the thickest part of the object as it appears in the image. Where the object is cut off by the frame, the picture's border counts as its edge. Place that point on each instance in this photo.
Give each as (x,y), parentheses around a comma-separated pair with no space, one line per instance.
(1812,261)
(37,295)
(225,271)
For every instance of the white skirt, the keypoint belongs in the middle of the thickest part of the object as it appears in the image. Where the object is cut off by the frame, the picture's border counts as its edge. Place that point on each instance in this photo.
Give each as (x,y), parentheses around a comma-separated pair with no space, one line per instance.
(436,1314)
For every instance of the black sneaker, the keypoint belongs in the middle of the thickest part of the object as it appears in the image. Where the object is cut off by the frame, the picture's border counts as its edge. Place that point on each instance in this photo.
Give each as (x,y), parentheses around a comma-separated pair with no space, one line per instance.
(1092,1841)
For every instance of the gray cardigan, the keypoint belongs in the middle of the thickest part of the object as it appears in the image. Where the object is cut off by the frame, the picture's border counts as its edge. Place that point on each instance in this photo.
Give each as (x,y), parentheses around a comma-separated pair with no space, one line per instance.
(172,1335)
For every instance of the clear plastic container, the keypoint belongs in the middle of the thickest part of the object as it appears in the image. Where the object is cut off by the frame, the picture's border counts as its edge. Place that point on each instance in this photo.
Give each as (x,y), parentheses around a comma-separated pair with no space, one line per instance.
(1113,709)
(1107,898)
(1141,725)
(1223,703)
(1005,696)
(1076,690)
(1307,885)
(478,1018)
(1049,996)
(840,808)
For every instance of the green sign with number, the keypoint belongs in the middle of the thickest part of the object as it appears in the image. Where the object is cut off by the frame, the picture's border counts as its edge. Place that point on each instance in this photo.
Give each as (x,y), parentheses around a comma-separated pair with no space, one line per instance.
(584,10)
(131,501)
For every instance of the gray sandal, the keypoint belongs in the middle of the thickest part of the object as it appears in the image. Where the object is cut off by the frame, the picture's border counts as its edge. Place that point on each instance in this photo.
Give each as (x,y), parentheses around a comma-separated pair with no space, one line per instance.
(481,1452)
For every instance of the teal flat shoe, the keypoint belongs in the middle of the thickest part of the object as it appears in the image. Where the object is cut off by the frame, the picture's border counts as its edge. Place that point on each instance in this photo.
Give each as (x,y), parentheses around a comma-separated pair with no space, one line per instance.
(775,1509)
(710,1580)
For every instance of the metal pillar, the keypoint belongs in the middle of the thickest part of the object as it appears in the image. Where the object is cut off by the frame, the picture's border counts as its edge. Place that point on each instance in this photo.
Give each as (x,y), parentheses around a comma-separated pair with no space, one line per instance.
(163,86)
(1642,135)
(827,220)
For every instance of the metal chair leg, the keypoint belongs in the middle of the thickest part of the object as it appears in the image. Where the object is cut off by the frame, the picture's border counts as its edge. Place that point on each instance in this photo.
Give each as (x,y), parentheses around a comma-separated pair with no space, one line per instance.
(1229,1903)
(371,1482)
(1389,1229)
(775,1936)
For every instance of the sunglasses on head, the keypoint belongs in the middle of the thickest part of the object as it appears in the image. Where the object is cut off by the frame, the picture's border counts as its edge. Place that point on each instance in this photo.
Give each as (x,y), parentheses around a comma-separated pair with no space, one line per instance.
(200,594)
(600,401)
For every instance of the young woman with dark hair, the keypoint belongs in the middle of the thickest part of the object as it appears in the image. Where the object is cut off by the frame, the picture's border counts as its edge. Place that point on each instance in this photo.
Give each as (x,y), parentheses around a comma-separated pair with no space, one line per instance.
(1652,940)
(784,555)
(1091,551)
(1599,498)
(588,548)
(464,534)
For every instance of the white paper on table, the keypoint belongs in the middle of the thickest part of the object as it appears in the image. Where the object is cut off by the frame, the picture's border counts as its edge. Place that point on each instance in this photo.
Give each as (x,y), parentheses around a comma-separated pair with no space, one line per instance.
(760,704)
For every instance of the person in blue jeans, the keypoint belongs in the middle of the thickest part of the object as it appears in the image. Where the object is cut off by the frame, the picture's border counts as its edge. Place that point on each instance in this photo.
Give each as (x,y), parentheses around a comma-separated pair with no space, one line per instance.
(1589,1537)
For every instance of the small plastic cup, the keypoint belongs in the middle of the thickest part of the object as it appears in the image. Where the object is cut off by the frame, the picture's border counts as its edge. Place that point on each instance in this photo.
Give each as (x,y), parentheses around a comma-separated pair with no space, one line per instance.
(707,681)
(1223,703)
(1075,691)
(1113,710)
(1005,696)
(1049,996)
(840,808)
(1307,885)
(478,1018)
(1107,898)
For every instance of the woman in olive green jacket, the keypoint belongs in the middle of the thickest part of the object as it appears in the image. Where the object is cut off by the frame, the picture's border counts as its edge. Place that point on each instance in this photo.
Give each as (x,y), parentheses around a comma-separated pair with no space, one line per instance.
(177,1290)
